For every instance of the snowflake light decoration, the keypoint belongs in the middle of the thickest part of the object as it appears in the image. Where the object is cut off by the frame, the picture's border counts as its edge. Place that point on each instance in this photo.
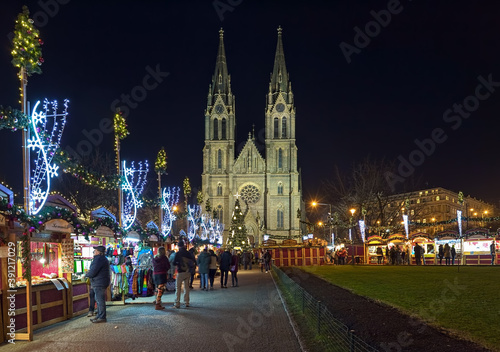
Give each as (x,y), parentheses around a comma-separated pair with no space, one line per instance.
(133,186)
(170,198)
(46,128)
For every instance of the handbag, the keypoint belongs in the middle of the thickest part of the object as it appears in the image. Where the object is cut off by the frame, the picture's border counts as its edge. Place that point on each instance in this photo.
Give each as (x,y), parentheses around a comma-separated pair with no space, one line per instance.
(233,268)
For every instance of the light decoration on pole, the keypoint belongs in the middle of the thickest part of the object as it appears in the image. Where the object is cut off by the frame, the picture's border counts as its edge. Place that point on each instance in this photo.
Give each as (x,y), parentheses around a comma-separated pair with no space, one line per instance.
(405,220)
(193,214)
(133,185)
(218,232)
(45,141)
(459,220)
(362,229)
(205,226)
(170,198)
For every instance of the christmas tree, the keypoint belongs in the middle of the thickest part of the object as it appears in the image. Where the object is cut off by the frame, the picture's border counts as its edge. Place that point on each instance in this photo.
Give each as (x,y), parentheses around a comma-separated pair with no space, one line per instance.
(238,232)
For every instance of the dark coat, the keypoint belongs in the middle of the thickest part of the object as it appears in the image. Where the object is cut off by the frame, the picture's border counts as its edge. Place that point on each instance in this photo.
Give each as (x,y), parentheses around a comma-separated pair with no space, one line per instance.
(183,256)
(203,262)
(235,261)
(161,265)
(225,261)
(99,272)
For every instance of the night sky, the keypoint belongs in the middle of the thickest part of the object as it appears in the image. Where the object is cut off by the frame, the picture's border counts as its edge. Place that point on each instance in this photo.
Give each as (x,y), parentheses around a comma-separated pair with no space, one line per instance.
(397,88)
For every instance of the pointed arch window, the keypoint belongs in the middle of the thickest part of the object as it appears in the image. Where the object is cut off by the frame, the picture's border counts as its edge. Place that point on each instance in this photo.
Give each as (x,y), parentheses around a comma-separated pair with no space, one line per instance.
(283,127)
(280,217)
(219,189)
(220,212)
(280,189)
(220,78)
(276,126)
(223,129)
(216,129)
(219,159)
(280,158)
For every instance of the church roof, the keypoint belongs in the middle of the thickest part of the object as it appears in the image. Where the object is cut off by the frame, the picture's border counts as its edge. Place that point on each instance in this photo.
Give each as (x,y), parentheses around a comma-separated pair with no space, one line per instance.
(279,77)
(220,79)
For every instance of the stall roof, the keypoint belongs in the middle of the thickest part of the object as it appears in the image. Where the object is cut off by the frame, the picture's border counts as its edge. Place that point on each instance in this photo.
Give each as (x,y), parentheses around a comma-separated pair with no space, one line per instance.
(102,212)
(56,200)
(5,192)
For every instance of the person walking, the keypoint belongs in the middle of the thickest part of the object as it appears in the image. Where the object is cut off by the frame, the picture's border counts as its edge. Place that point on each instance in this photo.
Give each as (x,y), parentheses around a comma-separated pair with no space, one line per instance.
(185,263)
(99,276)
(193,271)
(447,254)
(453,254)
(171,259)
(225,264)
(234,269)
(212,268)
(203,267)
(441,254)
(492,252)
(161,265)
(268,257)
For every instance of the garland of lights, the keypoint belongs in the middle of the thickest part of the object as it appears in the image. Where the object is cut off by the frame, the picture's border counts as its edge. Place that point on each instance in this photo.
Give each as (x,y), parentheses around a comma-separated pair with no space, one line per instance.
(12,119)
(161,162)
(193,213)
(133,187)
(46,145)
(26,256)
(27,51)
(90,178)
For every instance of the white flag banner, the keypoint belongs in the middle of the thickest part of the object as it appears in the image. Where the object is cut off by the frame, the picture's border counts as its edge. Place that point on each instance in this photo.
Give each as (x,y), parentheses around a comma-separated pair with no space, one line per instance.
(405,220)
(362,229)
(459,219)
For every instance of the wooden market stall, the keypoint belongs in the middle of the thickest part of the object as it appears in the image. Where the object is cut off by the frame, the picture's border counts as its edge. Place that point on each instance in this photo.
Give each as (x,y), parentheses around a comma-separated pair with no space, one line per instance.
(452,238)
(371,244)
(427,243)
(290,253)
(476,247)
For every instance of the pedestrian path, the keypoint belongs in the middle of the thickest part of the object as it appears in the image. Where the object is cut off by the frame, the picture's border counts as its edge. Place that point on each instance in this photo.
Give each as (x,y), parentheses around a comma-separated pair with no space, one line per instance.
(250,317)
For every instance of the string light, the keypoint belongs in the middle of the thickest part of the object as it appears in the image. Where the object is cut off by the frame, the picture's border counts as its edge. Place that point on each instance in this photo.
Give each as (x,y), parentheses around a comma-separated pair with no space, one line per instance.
(133,186)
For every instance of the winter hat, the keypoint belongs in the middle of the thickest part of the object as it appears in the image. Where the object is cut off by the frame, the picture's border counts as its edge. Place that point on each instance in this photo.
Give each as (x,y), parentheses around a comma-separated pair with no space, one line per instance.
(180,243)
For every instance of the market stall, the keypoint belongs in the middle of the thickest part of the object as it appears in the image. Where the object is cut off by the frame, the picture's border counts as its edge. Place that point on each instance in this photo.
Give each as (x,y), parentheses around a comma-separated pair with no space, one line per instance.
(450,238)
(476,247)
(371,244)
(427,243)
(289,252)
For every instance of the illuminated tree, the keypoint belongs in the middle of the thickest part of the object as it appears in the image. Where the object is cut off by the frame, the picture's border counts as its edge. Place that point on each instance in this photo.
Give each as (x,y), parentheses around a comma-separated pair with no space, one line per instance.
(238,237)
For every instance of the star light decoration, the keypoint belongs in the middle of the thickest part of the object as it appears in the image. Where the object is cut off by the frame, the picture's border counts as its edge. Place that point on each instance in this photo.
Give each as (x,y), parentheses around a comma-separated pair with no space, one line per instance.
(133,186)
(46,129)
(170,198)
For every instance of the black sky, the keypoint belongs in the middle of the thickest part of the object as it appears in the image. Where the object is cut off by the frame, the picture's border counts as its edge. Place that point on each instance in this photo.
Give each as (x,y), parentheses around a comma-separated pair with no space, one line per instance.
(395,90)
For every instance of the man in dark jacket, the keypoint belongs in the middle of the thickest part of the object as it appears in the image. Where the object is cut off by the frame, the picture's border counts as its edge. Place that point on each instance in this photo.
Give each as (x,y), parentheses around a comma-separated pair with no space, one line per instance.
(185,263)
(99,280)
(225,264)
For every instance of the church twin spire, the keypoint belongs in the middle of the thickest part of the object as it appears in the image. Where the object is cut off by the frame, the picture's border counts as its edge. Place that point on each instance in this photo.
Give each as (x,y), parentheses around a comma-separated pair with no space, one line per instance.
(221,80)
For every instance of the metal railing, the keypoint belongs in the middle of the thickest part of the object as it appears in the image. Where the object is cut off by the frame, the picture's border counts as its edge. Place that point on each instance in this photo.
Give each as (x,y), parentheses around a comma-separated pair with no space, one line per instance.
(332,334)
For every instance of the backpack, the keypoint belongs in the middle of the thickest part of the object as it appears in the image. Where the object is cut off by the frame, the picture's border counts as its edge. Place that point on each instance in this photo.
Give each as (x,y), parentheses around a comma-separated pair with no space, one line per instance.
(187,264)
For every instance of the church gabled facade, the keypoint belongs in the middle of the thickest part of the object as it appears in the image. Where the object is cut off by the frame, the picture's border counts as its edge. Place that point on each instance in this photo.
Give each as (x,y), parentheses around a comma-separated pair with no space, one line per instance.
(269,188)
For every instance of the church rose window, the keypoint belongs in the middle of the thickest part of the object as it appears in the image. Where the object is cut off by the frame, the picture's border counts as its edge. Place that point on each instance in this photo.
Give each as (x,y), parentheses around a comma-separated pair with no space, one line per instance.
(250,194)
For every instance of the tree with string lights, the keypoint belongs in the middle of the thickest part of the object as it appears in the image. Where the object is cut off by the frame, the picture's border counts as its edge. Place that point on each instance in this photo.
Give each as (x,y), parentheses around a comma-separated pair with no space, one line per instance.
(238,237)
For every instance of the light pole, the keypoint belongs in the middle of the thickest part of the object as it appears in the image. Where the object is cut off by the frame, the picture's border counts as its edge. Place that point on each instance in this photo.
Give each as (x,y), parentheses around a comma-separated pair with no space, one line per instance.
(352,210)
(314,204)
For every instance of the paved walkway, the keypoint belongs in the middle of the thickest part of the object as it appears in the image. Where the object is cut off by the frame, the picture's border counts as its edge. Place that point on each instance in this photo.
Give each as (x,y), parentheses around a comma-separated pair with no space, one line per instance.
(250,317)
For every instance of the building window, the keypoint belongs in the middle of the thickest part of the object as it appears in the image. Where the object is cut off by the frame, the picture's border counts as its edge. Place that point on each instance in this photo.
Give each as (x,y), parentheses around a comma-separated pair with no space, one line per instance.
(280,219)
(424,221)
(418,201)
(283,127)
(219,159)
(219,189)
(276,126)
(280,189)
(223,128)
(280,158)
(438,198)
(412,212)
(447,198)
(216,129)
(220,213)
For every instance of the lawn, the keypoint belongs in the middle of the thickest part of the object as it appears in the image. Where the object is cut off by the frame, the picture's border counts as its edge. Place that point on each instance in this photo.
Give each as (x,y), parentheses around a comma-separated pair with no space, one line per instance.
(465,299)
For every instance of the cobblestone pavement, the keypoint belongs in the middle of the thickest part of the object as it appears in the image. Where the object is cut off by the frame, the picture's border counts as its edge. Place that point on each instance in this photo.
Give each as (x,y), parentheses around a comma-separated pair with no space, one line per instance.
(250,317)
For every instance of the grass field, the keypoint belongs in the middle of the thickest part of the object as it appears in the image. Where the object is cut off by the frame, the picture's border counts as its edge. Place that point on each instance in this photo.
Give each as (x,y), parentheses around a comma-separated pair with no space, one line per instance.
(464,300)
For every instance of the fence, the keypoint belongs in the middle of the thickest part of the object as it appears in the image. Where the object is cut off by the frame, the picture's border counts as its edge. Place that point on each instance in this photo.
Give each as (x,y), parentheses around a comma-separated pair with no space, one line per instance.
(330,333)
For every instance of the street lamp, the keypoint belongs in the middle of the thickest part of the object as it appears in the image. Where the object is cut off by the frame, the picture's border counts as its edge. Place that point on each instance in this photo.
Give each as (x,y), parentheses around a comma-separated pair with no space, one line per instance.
(315,204)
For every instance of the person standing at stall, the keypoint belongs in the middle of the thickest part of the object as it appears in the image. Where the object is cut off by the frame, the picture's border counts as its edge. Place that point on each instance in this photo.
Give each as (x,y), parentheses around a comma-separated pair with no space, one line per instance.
(380,255)
(418,254)
(447,254)
(203,267)
(492,252)
(441,254)
(453,254)
(99,276)
(161,265)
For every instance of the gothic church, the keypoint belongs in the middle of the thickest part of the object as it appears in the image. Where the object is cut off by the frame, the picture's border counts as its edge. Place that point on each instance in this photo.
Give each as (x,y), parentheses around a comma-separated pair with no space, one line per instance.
(269,188)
